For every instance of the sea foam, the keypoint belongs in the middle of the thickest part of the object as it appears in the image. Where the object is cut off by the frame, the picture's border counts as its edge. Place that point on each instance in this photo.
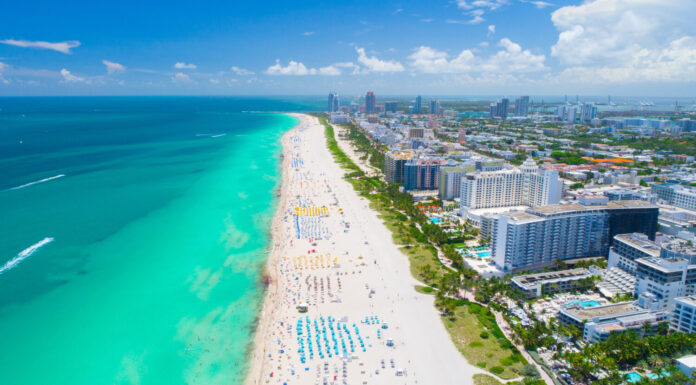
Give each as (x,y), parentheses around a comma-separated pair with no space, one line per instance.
(36,182)
(24,254)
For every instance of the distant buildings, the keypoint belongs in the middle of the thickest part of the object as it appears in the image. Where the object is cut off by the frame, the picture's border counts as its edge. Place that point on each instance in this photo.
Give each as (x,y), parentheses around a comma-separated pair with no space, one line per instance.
(434,107)
(370,107)
(417,105)
(588,111)
(339,117)
(416,132)
(571,113)
(522,106)
(526,185)
(422,174)
(333,102)
(541,235)
(499,109)
(676,195)
(390,106)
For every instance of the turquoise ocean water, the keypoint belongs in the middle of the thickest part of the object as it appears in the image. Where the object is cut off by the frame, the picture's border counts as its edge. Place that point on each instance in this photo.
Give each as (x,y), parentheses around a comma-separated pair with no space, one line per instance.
(136,258)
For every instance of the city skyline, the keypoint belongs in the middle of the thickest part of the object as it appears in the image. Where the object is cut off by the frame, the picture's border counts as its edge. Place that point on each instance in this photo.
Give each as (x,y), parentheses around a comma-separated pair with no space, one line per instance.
(491,47)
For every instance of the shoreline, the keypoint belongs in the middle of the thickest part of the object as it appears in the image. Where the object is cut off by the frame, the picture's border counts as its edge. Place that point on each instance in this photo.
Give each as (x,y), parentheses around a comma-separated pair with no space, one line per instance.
(269,275)
(343,265)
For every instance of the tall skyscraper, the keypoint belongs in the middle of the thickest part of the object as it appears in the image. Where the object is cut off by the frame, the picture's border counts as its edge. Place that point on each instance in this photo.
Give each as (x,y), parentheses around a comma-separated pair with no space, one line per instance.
(417,105)
(390,106)
(588,111)
(333,101)
(570,114)
(370,103)
(435,106)
(522,106)
(500,108)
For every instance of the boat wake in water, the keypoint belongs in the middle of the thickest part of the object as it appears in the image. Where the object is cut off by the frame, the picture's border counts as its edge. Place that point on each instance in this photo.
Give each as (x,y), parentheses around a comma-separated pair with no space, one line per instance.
(36,182)
(24,254)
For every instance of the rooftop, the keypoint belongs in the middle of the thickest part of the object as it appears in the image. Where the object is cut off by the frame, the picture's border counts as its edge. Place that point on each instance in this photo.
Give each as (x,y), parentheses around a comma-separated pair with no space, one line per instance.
(680,247)
(572,207)
(690,300)
(530,279)
(689,361)
(614,309)
(640,242)
(666,265)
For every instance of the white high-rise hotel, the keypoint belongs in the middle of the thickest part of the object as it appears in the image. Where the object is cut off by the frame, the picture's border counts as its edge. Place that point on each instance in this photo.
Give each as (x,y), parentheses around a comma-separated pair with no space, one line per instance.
(523,186)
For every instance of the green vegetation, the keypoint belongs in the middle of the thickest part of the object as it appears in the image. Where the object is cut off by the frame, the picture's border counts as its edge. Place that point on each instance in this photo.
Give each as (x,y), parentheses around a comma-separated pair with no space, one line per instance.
(568,157)
(365,146)
(466,322)
(628,349)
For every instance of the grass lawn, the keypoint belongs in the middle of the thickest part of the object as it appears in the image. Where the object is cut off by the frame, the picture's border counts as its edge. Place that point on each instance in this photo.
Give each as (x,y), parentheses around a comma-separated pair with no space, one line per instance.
(424,264)
(477,336)
(425,289)
(485,379)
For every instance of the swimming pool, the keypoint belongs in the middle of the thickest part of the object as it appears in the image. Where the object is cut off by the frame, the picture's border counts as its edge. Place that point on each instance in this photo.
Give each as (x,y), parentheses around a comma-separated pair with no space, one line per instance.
(483,254)
(633,377)
(435,220)
(585,303)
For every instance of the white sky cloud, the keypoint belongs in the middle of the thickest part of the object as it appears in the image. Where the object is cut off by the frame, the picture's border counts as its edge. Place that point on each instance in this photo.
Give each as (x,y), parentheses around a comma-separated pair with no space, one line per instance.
(182,78)
(61,46)
(298,69)
(491,30)
(538,3)
(511,59)
(185,66)
(240,71)
(373,64)
(2,68)
(626,40)
(477,8)
(309,33)
(69,77)
(113,68)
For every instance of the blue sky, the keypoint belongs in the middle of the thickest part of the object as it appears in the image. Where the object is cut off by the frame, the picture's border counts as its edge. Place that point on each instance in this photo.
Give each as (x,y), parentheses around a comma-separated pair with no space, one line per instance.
(460,47)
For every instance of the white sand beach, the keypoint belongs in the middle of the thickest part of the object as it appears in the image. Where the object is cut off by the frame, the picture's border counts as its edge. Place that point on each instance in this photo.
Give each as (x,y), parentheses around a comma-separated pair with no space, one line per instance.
(337,258)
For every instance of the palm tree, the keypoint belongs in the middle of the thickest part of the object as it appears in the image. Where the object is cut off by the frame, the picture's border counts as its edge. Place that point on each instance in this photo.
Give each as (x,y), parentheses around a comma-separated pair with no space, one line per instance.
(646,329)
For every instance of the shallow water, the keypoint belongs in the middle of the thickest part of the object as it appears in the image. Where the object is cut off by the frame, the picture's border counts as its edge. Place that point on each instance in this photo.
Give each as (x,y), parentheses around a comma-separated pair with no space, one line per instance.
(141,263)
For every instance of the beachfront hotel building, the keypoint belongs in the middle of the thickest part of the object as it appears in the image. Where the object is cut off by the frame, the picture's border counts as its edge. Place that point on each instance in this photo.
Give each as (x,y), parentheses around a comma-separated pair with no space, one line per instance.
(451,177)
(665,279)
(394,163)
(536,285)
(627,248)
(600,330)
(523,186)
(422,174)
(683,317)
(537,237)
